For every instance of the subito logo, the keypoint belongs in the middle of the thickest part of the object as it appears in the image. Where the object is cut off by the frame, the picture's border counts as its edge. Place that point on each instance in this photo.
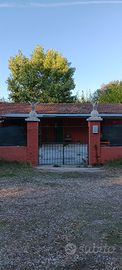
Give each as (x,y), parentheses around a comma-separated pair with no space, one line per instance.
(70,249)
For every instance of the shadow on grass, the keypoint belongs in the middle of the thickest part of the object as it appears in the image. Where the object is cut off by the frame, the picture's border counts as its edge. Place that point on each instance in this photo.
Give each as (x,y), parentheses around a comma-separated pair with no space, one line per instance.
(13,168)
(116,163)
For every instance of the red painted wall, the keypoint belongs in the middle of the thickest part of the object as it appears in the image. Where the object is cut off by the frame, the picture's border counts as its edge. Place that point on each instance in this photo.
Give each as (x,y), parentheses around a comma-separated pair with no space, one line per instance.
(11,153)
(30,153)
(65,122)
(110,153)
(94,139)
(32,142)
(76,128)
(112,121)
(23,153)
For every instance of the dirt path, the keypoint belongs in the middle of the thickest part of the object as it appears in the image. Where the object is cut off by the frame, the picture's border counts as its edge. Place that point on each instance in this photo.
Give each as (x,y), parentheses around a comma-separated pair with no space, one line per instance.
(68,168)
(57,220)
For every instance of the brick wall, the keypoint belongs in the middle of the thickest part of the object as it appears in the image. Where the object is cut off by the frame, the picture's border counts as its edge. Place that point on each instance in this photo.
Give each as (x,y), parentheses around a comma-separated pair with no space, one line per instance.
(11,153)
(32,142)
(94,143)
(30,153)
(23,153)
(110,153)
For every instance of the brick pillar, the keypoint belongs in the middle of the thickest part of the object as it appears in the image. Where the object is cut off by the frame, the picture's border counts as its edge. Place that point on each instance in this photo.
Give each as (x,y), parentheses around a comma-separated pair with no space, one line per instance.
(94,141)
(32,140)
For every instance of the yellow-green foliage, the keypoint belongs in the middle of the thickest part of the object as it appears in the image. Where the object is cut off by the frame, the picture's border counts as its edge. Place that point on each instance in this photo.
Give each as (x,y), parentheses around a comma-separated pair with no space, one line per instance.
(45,77)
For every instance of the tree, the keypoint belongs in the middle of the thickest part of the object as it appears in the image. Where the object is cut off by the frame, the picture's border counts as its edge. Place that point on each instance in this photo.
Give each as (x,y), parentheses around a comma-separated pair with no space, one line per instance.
(45,77)
(85,97)
(109,93)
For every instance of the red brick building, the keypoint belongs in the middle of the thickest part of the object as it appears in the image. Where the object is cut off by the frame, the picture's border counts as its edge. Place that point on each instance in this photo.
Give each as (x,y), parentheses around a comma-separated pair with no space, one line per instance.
(62,124)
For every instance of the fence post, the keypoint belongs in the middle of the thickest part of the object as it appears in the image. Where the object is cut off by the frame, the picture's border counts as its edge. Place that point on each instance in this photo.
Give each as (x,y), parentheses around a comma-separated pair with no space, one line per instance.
(94,137)
(32,141)
(32,135)
(63,145)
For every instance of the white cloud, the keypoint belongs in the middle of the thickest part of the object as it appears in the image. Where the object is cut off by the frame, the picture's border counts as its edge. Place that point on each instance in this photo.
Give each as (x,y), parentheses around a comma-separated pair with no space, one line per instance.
(11,5)
(34,4)
(75,3)
(5,5)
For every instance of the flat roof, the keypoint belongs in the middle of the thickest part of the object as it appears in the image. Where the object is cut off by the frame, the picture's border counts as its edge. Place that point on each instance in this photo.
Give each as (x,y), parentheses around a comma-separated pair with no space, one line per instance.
(22,115)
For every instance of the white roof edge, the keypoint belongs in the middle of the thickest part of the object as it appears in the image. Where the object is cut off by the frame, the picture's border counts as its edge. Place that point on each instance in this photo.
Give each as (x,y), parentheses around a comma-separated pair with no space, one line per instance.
(64,115)
(43,115)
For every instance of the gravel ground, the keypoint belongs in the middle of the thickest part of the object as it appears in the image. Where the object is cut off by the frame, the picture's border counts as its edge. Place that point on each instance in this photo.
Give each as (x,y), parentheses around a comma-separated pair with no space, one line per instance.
(57,220)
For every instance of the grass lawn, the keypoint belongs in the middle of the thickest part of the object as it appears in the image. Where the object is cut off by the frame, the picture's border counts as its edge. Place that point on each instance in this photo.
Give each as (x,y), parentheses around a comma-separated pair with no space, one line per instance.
(59,221)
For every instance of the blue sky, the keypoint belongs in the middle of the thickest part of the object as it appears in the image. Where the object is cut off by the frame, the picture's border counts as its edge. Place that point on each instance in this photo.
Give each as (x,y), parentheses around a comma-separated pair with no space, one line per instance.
(87,33)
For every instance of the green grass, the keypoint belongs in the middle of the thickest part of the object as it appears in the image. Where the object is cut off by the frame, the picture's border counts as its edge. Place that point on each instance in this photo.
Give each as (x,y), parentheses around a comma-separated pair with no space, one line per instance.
(13,168)
(114,235)
(116,163)
(25,172)
(15,163)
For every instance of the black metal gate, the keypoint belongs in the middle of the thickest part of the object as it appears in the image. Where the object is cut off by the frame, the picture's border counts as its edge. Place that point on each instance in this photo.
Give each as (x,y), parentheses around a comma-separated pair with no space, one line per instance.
(66,145)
